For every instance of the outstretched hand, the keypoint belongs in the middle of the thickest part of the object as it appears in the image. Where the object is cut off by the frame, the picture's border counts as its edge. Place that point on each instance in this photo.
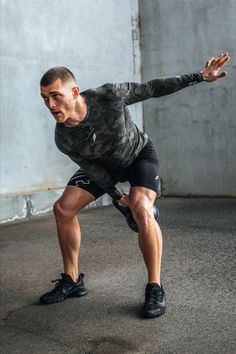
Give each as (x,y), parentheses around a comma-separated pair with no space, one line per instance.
(211,72)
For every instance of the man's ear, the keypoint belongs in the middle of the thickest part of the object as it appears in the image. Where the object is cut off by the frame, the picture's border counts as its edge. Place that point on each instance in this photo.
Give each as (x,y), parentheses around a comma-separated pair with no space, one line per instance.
(76,91)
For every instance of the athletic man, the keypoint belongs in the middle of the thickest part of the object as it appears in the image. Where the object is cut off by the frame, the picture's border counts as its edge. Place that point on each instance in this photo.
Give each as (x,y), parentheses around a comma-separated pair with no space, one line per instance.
(95,130)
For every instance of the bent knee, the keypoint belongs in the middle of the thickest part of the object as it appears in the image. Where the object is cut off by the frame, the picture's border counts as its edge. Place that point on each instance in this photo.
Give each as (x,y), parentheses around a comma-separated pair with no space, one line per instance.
(63,211)
(142,214)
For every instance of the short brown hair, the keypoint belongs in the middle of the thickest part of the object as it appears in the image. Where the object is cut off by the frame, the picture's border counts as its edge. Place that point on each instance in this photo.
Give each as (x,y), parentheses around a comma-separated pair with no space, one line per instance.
(58,72)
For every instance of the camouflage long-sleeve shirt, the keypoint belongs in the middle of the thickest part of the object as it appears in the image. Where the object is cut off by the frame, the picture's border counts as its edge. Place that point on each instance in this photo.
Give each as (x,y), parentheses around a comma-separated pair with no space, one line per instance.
(107,138)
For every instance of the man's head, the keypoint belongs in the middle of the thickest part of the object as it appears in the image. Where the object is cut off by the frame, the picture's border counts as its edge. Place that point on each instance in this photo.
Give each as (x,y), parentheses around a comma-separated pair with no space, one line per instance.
(60,92)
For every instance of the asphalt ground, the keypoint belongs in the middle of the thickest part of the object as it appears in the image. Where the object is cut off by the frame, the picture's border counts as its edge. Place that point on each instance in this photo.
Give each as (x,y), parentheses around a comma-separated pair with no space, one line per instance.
(198,275)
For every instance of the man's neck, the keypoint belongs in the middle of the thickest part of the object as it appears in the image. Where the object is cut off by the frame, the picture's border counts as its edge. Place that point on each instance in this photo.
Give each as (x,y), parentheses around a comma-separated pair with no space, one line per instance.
(80,113)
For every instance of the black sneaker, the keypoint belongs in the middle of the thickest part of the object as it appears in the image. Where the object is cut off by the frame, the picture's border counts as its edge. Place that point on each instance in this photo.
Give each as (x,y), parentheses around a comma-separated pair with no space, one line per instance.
(155,301)
(65,287)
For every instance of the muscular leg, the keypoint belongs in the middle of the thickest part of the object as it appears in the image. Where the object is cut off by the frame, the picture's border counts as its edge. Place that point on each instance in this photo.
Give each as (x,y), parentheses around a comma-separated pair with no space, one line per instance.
(65,209)
(150,238)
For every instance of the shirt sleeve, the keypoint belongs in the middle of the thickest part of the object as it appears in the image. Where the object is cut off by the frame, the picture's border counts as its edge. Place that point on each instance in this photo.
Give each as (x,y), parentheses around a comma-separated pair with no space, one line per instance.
(135,92)
(98,174)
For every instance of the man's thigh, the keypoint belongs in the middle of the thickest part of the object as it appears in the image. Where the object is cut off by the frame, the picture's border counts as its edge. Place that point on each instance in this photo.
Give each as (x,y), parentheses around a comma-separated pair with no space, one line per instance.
(146,195)
(82,181)
(79,192)
(74,198)
(144,174)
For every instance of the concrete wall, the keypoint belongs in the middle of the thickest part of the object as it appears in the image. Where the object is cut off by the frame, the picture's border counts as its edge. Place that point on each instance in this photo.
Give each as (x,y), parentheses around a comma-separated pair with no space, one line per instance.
(194,129)
(98,40)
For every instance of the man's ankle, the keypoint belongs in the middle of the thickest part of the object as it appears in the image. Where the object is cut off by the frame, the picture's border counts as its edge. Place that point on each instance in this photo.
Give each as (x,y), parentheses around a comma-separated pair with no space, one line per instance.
(154,281)
(74,276)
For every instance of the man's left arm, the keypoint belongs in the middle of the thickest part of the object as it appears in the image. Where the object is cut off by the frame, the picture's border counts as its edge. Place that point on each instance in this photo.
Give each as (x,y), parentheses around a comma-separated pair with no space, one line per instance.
(136,92)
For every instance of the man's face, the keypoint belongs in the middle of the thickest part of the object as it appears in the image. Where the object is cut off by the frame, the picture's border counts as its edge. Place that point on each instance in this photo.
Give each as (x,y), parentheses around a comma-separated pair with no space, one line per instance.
(59,97)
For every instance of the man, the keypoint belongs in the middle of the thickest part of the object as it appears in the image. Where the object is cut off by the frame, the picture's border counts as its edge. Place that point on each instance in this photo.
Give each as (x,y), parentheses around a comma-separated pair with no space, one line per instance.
(95,130)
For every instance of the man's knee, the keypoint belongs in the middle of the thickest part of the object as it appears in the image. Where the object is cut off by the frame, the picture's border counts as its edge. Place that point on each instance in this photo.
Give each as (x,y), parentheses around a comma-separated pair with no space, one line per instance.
(62,211)
(142,213)
(72,200)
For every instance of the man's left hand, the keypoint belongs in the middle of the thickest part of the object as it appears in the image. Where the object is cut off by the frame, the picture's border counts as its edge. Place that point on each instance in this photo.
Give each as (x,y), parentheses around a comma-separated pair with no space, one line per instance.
(124,200)
(211,72)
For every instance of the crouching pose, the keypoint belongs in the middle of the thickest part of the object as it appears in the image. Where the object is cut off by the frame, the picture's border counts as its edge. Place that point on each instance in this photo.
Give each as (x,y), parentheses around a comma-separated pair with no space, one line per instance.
(94,128)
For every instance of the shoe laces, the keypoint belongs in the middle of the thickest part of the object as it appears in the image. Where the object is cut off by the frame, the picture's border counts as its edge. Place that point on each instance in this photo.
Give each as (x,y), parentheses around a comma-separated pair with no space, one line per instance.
(153,295)
(59,282)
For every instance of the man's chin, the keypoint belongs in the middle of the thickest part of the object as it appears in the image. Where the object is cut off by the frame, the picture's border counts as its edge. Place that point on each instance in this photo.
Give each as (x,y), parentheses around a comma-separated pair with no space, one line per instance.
(60,118)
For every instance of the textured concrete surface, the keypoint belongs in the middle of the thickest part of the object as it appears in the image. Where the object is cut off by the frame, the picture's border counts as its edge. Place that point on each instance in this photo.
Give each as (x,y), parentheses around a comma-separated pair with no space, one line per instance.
(198,276)
(194,129)
(23,206)
(34,37)
(97,40)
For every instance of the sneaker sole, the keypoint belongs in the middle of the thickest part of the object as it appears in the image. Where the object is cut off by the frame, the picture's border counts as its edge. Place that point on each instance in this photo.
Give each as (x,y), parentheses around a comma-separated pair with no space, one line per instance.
(153,315)
(74,294)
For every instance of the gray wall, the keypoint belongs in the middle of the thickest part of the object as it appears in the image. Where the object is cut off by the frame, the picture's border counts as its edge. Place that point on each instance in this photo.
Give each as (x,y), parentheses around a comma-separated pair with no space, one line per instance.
(194,129)
(98,40)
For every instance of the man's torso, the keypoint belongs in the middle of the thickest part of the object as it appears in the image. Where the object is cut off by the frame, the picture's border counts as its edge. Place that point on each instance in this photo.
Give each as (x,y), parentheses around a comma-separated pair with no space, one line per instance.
(107,134)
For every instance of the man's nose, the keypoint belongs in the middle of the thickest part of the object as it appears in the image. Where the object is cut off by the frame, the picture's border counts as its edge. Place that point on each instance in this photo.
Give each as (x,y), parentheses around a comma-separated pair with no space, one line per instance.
(51,103)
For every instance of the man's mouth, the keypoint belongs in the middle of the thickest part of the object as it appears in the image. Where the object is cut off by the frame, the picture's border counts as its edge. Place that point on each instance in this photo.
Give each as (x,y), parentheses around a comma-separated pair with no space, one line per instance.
(55,112)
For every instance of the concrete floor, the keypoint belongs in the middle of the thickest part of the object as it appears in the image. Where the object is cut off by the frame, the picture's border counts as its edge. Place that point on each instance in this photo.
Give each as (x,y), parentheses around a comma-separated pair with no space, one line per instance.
(197,274)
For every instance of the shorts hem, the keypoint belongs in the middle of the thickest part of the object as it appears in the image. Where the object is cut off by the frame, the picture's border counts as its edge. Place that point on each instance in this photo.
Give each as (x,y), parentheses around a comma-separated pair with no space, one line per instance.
(94,193)
(146,186)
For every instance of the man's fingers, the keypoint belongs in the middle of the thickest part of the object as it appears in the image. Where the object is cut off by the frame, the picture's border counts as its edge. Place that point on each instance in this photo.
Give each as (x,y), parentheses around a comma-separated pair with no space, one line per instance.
(213,62)
(222,60)
(222,74)
(214,66)
(221,64)
(218,61)
(208,63)
(219,76)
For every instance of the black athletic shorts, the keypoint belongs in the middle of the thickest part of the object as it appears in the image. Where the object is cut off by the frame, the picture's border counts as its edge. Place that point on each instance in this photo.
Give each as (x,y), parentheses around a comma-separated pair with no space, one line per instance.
(142,172)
